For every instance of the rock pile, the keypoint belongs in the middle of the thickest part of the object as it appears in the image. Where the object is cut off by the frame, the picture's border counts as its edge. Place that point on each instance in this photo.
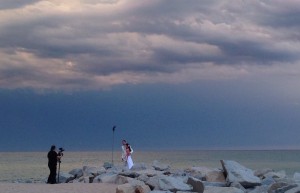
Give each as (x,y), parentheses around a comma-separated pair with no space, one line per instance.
(161,178)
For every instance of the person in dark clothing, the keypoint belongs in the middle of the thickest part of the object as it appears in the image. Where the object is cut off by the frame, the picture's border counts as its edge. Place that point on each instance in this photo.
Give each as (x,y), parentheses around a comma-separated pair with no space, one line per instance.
(52,164)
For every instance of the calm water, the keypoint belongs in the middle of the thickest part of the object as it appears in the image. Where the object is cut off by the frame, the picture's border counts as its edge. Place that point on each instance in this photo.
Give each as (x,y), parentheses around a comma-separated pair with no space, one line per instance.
(32,166)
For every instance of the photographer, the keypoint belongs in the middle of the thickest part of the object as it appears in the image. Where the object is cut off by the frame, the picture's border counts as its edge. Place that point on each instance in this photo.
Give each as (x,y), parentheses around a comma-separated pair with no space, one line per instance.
(53,157)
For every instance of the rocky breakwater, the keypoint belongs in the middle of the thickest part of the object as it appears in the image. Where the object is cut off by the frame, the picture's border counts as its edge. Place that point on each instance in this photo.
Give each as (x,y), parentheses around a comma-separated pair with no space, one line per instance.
(232,177)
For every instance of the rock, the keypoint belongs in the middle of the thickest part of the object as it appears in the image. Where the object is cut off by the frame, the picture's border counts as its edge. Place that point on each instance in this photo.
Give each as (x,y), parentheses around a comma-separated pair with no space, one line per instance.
(160,191)
(196,184)
(77,173)
(297,177)
(160,166)
(143,178)
(215,176)
(133,187)
(129,173)
(280,174)
(172,184)
(93,171)
(261,173)
(294,190)
(167,183)
(238,173)
(238,186)
(86,179)
(149,172)
(198,172)
(111,178)
(139,167)
(216,184)
(65,177)
(107,165)
(223,190)
(258,189)
(268,181)
(280,187)
(108,178)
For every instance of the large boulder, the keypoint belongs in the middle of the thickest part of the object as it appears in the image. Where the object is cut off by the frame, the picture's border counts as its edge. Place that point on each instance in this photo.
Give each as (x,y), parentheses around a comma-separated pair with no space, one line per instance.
(237,173)
(196,184)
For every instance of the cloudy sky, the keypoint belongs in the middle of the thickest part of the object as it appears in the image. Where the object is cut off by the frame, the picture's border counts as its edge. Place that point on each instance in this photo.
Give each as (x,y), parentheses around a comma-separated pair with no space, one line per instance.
(204,74)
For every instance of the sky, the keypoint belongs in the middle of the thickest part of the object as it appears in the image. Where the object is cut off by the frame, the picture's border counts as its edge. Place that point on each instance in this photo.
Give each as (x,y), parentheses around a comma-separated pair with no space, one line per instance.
(195,74)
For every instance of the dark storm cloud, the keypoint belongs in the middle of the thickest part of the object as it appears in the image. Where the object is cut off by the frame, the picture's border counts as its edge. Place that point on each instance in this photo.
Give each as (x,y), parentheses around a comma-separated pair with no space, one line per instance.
(99,40)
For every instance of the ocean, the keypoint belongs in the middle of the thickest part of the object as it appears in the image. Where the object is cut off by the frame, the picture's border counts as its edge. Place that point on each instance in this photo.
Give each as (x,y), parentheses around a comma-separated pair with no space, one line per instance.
(32,166)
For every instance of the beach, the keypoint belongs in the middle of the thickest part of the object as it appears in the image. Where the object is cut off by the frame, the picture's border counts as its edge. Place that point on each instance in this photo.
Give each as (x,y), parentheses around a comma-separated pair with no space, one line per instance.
(57,188)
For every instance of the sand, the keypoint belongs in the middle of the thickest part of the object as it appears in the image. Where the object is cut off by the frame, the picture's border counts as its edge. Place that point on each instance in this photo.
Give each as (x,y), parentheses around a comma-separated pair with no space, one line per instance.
(57,188)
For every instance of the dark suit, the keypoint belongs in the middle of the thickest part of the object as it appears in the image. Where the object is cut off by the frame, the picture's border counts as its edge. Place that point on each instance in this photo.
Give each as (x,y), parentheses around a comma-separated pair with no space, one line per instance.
(52,164)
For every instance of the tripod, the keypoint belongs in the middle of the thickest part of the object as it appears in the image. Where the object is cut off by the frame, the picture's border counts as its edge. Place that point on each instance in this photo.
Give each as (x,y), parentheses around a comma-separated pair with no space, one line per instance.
(58,171)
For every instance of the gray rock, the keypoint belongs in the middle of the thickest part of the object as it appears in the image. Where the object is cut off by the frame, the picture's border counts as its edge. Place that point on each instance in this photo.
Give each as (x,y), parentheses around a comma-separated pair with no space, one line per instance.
(107,165)
(143,178)
(198,172)
(238,173)
(131,188)
(129,173)
(172,184)
(223,190)
(261,173)
(196,184)
(280,174)
(215,176)
(65,177)
(160,191)
(215,184)
(268,181)
(238,186)
(259,189)
(108,178)
(149,172)
(296,176)
(294,190)
(139,167)
(93,171)
(77,173)
(169,183)
(160,166)
(281,187)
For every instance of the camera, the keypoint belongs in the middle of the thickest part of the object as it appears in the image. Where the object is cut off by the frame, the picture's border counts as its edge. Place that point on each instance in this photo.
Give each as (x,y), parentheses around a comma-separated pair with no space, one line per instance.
(61,150)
